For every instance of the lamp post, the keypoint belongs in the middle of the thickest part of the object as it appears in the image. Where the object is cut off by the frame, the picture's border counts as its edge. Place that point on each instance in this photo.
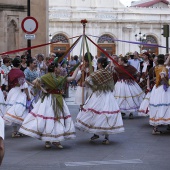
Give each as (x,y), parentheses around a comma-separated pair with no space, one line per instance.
(140,37)
(50,39)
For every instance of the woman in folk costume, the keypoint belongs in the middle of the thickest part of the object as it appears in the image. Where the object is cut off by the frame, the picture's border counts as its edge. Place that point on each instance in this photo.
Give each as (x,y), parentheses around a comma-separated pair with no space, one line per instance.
(50,119)
(30,75)
(127,92)
(144,107)
(100,114)
(83,92)
(160,99)
(145,66)
(16,98)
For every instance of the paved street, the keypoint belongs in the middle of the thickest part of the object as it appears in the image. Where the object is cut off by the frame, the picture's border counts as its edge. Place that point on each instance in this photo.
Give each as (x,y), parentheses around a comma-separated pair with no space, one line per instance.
(136,149)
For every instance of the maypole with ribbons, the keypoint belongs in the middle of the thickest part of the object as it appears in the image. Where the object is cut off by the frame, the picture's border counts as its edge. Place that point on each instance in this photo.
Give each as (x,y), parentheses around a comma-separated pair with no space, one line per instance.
(85,44)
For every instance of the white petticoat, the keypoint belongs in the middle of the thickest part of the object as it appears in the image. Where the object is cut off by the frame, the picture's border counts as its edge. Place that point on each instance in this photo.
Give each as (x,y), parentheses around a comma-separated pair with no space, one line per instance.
(100,115)
(1,128)
(79,92)
(144,107)
(159,106)
(42,124)
(2,104)
(15,106)
(129,96)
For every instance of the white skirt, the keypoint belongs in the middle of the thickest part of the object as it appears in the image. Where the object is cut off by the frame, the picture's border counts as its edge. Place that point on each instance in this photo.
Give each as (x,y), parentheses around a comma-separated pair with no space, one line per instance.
(159,106)
(42,124)
(15,106)
(144,107)
(1,128)
(128,96)
(86,92)
(2,104)
(100,115)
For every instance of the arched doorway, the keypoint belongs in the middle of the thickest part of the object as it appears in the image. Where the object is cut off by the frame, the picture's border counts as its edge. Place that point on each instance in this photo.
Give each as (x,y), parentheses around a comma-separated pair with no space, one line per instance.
(150,40)
(61,47)
(106,42)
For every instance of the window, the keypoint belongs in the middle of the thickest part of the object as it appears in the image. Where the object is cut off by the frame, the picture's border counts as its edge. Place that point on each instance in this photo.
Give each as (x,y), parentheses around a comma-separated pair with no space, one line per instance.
(105,39)
(60,38)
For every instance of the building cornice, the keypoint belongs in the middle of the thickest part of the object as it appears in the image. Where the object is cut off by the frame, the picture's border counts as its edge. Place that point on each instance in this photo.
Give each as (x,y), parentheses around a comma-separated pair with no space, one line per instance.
(7,7)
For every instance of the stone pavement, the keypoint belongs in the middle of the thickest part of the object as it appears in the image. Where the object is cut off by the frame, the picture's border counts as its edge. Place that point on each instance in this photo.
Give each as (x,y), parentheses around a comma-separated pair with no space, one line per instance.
(135,149)
(71,99)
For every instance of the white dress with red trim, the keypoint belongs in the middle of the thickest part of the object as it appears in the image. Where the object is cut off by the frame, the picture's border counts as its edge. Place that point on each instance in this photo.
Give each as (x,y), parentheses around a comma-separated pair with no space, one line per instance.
(82,91)
(144,107)
(41,123)
(100,113)
(16,99)
(2,128)
(46,121)
(128,93)
(159,105)
(16,110)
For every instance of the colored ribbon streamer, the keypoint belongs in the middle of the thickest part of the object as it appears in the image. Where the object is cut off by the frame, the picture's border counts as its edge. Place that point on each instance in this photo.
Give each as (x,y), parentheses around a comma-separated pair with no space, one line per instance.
(131,42)
(104,52)
(81,49)
(89,57)
(69,50)
(29,48)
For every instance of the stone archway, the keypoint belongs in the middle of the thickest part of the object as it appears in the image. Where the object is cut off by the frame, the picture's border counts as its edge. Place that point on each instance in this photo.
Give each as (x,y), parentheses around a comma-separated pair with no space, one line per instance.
(106,42)
(150,39)
(61,47)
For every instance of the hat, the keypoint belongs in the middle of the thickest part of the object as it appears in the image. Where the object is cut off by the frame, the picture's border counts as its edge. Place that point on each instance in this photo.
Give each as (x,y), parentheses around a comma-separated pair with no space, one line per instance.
(143,51)
(53,54)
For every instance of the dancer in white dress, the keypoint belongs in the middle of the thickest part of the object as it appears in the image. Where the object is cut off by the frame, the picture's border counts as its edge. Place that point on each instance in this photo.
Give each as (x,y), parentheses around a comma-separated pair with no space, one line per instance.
(16,100)
(83,92)
(50,119)
(100,114)
(1,140)
(127,92)
(160,99)
(144,107)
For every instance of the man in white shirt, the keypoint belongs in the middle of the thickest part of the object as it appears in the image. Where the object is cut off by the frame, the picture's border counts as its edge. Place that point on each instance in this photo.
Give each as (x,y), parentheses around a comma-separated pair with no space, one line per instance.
(135,61)
(1,139)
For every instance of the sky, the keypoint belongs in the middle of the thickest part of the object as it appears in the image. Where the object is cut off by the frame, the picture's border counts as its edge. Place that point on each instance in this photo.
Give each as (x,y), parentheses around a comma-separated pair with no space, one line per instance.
(127,2)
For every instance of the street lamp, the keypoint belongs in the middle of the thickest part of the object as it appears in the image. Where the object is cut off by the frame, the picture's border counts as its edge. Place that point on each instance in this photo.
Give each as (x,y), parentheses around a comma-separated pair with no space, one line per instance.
(50,37)
(140,37)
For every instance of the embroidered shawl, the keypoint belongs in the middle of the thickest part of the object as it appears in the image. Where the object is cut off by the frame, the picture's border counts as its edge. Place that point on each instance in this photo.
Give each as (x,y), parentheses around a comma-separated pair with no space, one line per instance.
(158,70)
(122,75)
(53,83)
(101,80)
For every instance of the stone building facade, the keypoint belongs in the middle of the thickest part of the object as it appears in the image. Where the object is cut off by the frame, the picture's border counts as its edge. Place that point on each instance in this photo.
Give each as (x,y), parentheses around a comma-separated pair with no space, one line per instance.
(107,23)
(11,34)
